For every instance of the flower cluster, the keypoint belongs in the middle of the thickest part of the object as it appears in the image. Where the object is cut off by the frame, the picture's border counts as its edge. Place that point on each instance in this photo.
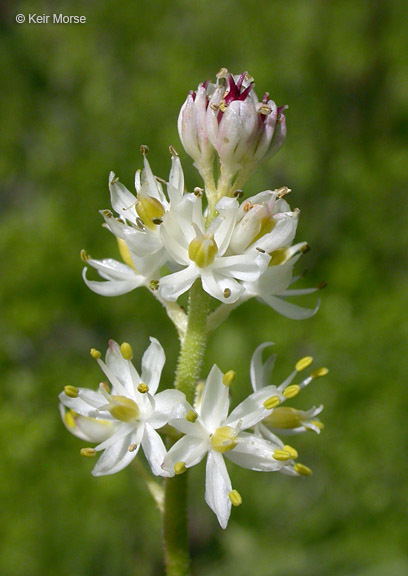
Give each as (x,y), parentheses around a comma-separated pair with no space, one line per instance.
(130,413)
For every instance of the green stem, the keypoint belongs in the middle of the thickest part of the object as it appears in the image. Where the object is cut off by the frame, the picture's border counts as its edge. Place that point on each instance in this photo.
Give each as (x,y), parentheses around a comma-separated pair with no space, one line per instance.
(175,535)
(195,342)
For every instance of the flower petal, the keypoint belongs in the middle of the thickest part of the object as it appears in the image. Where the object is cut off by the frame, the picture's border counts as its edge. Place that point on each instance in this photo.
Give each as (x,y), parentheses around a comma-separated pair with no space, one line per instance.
(152,365)
(154,450)
(117,456)
(260,371)
(217,487)
(215,400)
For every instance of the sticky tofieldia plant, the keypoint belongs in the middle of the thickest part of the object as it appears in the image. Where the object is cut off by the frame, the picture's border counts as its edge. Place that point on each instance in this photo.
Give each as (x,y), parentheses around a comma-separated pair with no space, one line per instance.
(222,250)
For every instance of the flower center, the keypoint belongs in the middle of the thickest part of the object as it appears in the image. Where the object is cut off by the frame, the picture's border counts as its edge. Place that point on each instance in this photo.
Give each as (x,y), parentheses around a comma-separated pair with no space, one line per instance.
(123,409)
(202,250)
(224,439)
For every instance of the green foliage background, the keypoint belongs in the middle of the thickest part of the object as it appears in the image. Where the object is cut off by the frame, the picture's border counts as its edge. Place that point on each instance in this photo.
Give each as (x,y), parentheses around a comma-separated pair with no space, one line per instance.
(76,102)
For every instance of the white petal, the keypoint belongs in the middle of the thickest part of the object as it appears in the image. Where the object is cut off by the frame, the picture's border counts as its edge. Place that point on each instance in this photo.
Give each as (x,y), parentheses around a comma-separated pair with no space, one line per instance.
(154,450)
(123,201)
(251,410)
(85,403)
(217,285)
(215,400)
(173,285)
(246,267)
(288,309)
(117,456)
(165,403)
(260,371)
(121,368)
(189,450)
(217,487)
(152,365)
(254,453)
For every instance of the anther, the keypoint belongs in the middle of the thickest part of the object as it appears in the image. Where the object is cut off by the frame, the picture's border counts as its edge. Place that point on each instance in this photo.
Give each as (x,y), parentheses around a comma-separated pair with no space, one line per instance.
(291,391)
(198,191)
(264,109)
(140,224)
(191,416)
(107,213)
(179,468)
(293,453)
(105,386)
(161,180)
(281,455)
(319,372)
(238,193)
(261,250)
(214,106)
(132,447)
(71,391)
(222,73)
(144,149)
(228,378)
(88,452)
(302,469)
(305,248)
(84,256)
(303,363)
(223,106)
(322,285)
(272,402)
(126,351)
(143,388)
(154,285)
(247,206)
(114,180)
(281,192)
(95,353)
(173,151)
(157,221)
(227,293)
(235,497)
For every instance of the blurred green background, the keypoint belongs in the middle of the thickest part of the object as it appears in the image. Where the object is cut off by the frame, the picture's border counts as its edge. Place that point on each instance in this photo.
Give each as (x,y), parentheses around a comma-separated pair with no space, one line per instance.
(76,102)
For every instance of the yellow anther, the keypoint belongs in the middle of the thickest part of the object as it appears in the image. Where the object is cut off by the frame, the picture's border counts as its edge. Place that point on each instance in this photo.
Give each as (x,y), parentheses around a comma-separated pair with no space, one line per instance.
(302,469)
(303,363)
(191,416)
(272,402)
(223,73)
(95,353)
(228,378)
(264,109)
(71,391)
(223,439)
(278,257)
(291,391)
(143,388)
(227,293)
(293,453)
(123,408)
(246,207)
(316,423)
(70,419)
(203,250)
(126,351)
(84,255)
(281,455)
(149,209)
(235,498)
(132,447)
(319,372)
(88,452)
(179,468)
(124,253)
(223,106)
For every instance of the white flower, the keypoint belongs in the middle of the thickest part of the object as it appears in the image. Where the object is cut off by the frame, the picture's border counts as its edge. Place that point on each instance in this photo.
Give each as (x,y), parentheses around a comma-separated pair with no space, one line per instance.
(209,430)
(137,230)
(131,409)
(202,253)
(282,419)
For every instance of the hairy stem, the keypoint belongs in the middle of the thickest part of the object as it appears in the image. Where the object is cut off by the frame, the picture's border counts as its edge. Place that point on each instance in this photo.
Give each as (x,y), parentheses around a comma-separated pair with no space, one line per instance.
(175,534)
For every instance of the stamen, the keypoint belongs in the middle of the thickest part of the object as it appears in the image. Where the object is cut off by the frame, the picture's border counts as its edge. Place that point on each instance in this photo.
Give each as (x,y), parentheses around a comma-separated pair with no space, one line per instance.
(303,363)
(157,221)
(246,207)
(173,151)
(281,455)
(228,378)
(95,353)
(305,248)
(222,73)
(291,391)
(261,250)
(143,388)
(84,255)
(104,386)
(272,402)
(264,109)
(132,447)
(154,285)
(293,453)
(319,372)
(88,452)
(69,419)
(235,497)
(179,468)
(71,391)
(191,416)
(281,192)
(126,351)
(144,149)
(223,106)
(302,469)
(114,180)
(238,193)
(198,191)
(214,106)
(107,213)
(227,293)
